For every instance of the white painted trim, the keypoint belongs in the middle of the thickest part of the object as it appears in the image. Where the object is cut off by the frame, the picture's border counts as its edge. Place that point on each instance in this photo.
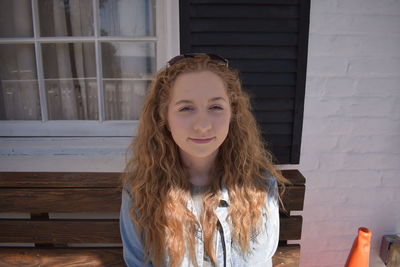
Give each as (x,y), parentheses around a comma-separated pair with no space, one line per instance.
(173,39)
(39,62)
(64,146)
(67,128)
(99,62)
(80,39)
(161,32)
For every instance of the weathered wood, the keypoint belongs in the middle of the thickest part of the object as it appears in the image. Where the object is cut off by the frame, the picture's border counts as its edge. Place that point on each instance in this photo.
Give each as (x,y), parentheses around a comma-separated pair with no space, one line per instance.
(42,200)
(290,228)
(293,198)
(15,196)
(41,193)
(294,176)
(59,179)
(86,179)
(60,231)
(287,256)
(61,257)
(64,231)
(38,200)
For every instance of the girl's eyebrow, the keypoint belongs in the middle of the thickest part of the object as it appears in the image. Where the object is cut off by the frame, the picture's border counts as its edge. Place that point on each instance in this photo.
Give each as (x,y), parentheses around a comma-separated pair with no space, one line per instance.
(190,101)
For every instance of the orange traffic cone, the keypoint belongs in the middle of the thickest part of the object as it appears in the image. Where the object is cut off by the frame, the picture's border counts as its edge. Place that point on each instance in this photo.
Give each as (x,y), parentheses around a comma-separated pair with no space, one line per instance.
(359,254)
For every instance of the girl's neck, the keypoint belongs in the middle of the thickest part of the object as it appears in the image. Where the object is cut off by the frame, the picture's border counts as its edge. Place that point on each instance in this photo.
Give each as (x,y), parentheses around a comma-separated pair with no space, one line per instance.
(199,168)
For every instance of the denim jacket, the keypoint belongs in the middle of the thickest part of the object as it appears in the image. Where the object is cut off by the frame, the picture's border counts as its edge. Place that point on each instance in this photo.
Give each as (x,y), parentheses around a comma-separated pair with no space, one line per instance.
(262,246)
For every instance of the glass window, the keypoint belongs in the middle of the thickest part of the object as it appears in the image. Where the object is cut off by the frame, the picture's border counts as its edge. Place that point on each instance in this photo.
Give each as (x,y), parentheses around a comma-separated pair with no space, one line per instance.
(126,78)
(19,90)
(66,18)
(81,61)
(15,18)
(70,81)
(133,18)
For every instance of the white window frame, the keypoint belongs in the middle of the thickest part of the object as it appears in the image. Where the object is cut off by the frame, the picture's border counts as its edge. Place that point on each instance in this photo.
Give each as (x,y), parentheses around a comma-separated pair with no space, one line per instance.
(167,45)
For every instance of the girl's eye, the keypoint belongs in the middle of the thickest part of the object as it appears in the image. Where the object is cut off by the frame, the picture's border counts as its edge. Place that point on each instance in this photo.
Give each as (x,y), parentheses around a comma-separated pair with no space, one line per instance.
(186,109)
(191,108)
(216,108)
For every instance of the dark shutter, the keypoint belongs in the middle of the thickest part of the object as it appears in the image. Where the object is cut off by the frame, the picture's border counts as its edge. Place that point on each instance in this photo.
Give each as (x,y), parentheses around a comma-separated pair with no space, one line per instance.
(267,42)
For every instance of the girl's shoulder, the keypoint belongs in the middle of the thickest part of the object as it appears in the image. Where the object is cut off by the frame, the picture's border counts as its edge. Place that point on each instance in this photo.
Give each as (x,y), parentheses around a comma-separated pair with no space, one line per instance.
(269,182)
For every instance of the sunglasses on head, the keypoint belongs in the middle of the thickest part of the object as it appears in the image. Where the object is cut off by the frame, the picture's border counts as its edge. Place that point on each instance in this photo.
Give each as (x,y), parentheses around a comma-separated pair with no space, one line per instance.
(178,58)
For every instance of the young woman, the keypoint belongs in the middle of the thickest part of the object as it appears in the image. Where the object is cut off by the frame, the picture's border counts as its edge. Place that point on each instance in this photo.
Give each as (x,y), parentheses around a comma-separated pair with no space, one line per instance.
(199,189)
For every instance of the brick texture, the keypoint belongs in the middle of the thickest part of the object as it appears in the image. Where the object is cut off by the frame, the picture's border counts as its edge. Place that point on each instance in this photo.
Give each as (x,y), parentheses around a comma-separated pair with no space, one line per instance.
(351,134)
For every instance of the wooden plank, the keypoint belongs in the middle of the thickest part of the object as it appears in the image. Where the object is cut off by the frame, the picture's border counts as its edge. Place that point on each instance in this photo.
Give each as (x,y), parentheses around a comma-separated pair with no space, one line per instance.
(243,11)
(294,176)
(293,198)
(234,38)
(88,200)
(94,231)
(59,179)
(287,256)
(61,257)
(290,227)
(59,231)
(43,200)
(90,179)
(263,25)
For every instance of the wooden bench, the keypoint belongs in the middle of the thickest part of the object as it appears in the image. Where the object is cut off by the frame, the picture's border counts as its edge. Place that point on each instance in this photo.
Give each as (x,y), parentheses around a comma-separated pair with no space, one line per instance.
(31,233)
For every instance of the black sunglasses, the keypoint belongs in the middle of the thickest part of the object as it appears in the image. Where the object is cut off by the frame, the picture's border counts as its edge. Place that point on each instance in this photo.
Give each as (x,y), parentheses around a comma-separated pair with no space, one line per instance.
(173,60)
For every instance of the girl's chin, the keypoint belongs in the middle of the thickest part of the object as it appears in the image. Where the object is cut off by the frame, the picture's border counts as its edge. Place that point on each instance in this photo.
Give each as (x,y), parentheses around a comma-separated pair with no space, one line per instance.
(199,154)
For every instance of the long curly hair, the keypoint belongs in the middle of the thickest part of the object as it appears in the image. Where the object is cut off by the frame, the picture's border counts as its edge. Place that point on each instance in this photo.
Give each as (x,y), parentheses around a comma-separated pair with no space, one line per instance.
(159,182)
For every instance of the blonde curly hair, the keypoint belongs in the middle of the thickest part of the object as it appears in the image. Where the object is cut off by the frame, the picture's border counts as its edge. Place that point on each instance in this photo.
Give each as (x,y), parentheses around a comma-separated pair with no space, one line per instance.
(159,184)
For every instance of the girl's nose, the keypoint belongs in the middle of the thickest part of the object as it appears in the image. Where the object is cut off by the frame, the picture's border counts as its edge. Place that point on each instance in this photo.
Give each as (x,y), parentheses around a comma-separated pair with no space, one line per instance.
(202,123)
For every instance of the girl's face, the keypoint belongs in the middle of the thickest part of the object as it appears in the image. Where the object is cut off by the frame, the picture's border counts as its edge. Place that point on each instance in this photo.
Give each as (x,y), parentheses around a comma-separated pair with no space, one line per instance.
(199,113)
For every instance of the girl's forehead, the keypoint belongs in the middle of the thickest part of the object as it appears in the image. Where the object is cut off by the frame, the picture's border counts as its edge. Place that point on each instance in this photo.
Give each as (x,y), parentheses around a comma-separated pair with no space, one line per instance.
(198,84)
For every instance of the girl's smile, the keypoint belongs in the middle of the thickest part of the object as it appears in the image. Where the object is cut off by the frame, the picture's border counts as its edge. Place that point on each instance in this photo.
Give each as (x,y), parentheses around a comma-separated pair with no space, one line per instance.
(202,141)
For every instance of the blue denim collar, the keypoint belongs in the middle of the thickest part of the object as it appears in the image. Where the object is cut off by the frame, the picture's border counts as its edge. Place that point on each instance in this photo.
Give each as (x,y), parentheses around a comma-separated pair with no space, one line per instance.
(224,194)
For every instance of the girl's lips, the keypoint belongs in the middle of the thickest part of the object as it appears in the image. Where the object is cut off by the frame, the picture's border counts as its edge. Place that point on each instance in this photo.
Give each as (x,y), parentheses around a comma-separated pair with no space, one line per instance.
(202,141)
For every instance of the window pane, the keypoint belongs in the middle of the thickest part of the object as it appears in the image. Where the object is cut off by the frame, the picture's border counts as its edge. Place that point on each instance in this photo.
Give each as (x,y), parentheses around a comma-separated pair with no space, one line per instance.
(128,60)
(19,91)
(131,18)
(124,98)
(127,71)
(66,18)
(70,81)
(16,18)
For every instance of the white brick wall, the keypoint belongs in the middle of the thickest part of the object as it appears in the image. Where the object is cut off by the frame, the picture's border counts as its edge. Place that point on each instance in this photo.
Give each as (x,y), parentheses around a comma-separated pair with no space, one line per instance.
(351,133)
